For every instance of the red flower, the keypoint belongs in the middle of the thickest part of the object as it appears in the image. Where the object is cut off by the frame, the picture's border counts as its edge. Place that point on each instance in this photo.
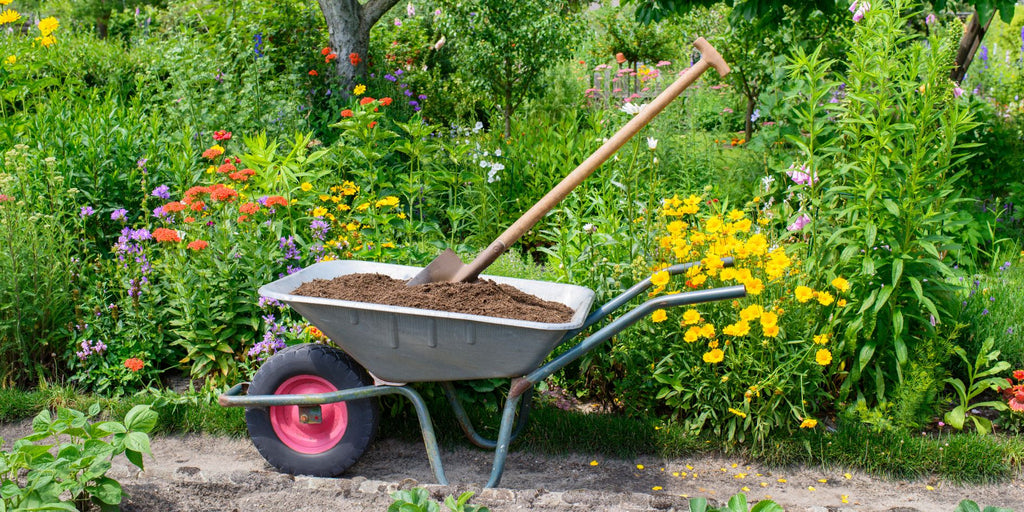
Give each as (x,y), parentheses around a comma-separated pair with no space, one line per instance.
(198,245)
(242,175)
(213,152)
(372,124)
(198,206)
(5,197)
(276,200)
(221,135)
(242,218)
(366,100)
(346,113)
(174,206)
(166,235)
(190,194)
(249,208)
(354,58)
(326,50)
(1018,374)
(134,364)
(313,72)
(189,220)
(223,194)
(227,168)
(386,101)
(330,57)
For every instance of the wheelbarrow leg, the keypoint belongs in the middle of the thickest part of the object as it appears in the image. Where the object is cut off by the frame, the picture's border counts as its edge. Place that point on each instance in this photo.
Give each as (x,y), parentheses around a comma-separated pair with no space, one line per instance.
(467,425)
(504,439)
(427,429)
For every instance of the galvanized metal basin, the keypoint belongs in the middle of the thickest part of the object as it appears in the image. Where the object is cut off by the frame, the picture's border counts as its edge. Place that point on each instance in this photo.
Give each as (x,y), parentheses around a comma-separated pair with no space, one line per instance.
(402,344)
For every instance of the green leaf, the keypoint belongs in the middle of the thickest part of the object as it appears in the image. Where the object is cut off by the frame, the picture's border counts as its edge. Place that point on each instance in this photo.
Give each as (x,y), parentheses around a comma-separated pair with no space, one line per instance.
(738,503)
(94,409)
(767,506)
(141,418)
(137,441)
(967,506)
(983,425)
(870,233)
(897,271)
(866,353)
(109,427)
(107,490)
(698,505)
(135,458)
(42,421)
(956,417)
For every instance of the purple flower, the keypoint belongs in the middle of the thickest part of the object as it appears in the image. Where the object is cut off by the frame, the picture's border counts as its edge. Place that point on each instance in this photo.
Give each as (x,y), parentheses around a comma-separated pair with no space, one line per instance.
(142,163)
(859,9)
(398,22)
(399,72)
(957,92)
(163,192)
(799,223)
(86,212)
(1004,266)
(257,46)
(319,228)
(407,92)
(410,10)
(983,54)
(422,97)
(413,103)
(930,19)
(118,214)
(391,78)
(984,312)
(801,177)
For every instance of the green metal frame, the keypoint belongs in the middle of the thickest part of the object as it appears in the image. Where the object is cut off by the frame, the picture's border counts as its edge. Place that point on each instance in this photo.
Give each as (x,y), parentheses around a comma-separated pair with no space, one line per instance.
(514,417)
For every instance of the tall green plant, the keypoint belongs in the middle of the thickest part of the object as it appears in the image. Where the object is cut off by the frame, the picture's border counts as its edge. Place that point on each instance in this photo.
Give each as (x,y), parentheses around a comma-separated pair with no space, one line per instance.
(877,186)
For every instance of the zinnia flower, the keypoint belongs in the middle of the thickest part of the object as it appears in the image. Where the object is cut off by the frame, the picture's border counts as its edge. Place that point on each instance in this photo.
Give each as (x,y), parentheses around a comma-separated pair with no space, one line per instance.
(714,356)
(659,316)
(823,357)
(221,135)
(803,293)
(214,152)
(198,245)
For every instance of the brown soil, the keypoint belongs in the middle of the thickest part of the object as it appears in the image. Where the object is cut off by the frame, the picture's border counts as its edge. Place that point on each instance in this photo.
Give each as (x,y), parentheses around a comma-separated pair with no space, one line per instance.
(483,297)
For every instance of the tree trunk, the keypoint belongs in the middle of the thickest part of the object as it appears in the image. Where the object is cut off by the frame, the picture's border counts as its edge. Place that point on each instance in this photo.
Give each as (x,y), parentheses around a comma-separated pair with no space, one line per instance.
(973,34)
(348,28)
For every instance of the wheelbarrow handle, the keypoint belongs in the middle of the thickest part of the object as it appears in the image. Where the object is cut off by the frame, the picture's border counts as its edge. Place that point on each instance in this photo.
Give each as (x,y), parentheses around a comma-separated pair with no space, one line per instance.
(520,385)
(598,314)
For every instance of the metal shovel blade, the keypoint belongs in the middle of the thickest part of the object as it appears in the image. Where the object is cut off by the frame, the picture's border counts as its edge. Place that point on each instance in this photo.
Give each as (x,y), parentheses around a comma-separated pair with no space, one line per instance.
(443,269)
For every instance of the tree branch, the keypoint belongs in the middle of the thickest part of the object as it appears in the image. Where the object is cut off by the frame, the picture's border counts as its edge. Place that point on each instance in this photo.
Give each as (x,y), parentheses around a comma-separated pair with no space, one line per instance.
(374,9)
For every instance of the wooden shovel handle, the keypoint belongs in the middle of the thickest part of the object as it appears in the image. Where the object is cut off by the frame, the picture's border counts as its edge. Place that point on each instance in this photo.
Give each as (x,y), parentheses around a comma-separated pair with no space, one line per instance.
(710,58)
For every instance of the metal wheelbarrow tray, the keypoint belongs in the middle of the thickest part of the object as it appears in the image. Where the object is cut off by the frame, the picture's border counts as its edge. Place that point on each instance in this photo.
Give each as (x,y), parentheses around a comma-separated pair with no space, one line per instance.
(311,408)
(401,344)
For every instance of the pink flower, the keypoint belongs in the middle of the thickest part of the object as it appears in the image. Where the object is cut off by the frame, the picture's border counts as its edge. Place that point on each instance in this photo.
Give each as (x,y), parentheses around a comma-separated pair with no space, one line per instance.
(957,92)
(662,63)
(799,223)
(801,177)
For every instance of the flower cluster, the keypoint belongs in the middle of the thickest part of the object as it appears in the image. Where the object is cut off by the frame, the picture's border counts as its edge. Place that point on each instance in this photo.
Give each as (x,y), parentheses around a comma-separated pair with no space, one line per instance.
(1014,393)
(90,347)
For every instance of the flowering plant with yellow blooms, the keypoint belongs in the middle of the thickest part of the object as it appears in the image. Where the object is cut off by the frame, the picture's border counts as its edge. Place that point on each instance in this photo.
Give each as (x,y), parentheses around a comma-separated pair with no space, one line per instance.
(753,365)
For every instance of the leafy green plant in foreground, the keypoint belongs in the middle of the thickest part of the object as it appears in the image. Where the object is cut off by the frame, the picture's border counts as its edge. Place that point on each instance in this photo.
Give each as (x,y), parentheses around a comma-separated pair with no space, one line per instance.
(418,500)
(738,503)
(971,506)
(979,379)
(81,463)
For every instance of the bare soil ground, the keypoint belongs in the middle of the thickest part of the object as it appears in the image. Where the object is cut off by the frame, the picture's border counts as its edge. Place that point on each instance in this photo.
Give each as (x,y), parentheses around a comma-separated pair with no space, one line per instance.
(206,473)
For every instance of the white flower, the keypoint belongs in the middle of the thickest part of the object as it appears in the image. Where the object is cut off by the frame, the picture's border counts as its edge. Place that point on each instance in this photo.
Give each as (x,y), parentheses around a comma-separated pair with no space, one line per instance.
(766,182)
(590,228)
(633,108)
(479,126)
(497,152)
(492,175)
(652,143)
(484,163)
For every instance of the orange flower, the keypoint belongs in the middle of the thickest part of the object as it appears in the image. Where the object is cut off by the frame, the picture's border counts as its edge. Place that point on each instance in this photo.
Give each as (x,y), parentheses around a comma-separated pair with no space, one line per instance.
(198,206)
(189,220)
(276,200)
(620,58)
(354,58)
(249,208)
(166,235)
(372,124)
(173,206)
(227,168)
(346,113)
(134,364)
(326,50)
(385,101)
(223,194)
(243,218)
(366,100)
(313,72)
(242,175)
(213,152)
(330,57)
(198,245)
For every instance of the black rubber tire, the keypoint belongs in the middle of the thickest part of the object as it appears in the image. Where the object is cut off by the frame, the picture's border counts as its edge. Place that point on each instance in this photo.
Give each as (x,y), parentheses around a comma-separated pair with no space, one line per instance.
(340,370)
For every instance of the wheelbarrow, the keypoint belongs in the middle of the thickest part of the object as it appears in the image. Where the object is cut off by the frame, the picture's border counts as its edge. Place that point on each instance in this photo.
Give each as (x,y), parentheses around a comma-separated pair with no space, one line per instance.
(311,409)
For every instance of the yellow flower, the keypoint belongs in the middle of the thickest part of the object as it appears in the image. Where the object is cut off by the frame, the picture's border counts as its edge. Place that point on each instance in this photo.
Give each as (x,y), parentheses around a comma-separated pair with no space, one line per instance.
(741,328)
(9,16)
(306,187)
(841,284)
(319,211)
(754,286)
(593,463)
(823,357)
(825,298)
(692,200)
(713,224)
(640,466)
(727,274)
(359,89)
(841,303)
(352,226)
(12,60)
(736,215)
(821,339)
(660,279)
(692,334)
(771,331)
(387,201)
(803,293)
(46,41)
(751,312)
(691,317)
(362,207)
(5,2)
(48,25)
(808,423)
(714,356)
(707,331)
(696,281)
(659,315)
(768,319)
(739,413)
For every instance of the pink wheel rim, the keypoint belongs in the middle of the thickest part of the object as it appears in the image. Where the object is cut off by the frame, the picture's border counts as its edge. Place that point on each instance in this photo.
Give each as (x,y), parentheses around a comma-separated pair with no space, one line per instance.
(308,437)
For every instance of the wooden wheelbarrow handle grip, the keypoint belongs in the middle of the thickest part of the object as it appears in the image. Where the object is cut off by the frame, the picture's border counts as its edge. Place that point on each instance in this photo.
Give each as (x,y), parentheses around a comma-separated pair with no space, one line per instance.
(710,58)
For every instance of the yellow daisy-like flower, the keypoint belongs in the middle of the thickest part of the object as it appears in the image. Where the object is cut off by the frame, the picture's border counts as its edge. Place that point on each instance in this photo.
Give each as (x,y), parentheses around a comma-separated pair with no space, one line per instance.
(5,2)
(769,319)
(803,293)
(660,279)
(823,357)
(319,211)
(841,303)
(821,339)
(46,41)
(770,331)
(736,215)
(12,60)
(691,317)
(841,284)
(48,25)
(593,463)
(9,16)
(751,312)
(739,413)
(754,286)
(659,315)
(306,186)
(714,356)
(808,423)
(692,334)
(387,201)
(825,298)
(741,328)
(359,89)
(362,207)
(707,331)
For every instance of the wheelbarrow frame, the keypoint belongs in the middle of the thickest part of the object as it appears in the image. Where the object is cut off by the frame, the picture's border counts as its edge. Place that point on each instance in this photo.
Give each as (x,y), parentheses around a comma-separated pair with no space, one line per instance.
(511,423)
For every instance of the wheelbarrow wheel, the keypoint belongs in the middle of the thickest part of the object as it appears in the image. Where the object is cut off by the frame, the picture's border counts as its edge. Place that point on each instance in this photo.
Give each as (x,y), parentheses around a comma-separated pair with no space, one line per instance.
(325,448)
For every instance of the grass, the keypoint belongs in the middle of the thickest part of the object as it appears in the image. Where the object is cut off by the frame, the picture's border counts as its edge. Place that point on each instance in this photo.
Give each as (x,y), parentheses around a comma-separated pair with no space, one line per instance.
(962,458)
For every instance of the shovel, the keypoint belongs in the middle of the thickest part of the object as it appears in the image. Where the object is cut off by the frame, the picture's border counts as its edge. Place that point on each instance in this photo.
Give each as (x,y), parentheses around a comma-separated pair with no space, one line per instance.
(447,267)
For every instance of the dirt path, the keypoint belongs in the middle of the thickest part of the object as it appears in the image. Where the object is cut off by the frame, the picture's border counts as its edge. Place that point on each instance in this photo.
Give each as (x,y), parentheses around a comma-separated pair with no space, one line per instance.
(205,473)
